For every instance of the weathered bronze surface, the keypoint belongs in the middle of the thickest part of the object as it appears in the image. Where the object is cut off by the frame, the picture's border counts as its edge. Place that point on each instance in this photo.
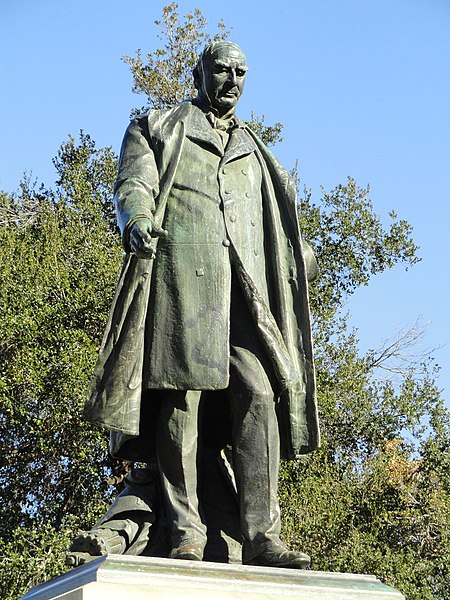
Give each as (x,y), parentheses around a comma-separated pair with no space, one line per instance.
(208,343)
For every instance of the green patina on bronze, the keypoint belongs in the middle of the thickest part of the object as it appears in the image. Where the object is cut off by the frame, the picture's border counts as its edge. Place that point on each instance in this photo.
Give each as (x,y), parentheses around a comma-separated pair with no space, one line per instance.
(207,214)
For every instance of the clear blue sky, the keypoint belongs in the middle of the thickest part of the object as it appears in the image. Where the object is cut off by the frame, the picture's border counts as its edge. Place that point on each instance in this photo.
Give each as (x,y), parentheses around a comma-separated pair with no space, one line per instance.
(361,86)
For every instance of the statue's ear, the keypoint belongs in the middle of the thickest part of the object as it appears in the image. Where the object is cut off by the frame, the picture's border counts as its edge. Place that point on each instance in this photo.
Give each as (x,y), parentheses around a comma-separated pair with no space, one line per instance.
(196,75)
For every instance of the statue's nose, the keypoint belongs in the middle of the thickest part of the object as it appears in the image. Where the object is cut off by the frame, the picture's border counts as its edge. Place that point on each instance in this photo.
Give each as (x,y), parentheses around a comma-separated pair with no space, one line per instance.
(233,77)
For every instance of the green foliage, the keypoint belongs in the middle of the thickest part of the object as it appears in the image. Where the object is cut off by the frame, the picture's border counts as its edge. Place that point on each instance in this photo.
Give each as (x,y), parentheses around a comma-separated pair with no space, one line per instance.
(31,556)
(375,498)
(389,517)
(270,134)
(165,76)
(350,243)
(59,262)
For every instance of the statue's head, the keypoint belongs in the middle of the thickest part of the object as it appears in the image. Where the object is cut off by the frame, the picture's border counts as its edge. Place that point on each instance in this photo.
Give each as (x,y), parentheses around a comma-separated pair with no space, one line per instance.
(220,74)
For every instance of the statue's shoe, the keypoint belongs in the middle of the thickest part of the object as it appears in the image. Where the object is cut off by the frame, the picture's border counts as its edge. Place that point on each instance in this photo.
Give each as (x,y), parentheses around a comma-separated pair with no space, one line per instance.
(280,556)
(191,551)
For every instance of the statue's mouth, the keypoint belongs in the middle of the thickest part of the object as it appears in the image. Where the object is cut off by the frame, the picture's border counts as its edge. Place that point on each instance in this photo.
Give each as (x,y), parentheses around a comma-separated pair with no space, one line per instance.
(233,93)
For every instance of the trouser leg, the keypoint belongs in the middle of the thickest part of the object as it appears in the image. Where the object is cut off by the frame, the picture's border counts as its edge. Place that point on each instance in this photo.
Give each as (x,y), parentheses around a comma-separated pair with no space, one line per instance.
(176,442)
(256,444)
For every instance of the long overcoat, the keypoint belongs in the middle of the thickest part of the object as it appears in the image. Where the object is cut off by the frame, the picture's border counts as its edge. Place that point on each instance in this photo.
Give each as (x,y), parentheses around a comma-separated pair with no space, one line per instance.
(150,157)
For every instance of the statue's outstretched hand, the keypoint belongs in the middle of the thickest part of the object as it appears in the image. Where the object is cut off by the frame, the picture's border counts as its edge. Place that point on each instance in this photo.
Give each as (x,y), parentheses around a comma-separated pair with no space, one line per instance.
(141,234)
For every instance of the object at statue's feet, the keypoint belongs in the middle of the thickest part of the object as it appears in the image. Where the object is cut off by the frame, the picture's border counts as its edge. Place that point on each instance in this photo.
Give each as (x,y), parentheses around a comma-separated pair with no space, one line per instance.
(90,544)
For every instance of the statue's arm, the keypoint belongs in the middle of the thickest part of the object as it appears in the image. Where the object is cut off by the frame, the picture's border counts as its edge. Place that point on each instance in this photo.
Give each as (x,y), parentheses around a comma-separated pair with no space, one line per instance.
(136,188)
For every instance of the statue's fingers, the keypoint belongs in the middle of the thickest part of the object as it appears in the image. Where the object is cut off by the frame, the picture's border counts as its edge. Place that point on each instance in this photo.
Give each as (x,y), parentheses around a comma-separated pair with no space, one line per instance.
(142,250)
(146,237)
(159,232)
(139,238)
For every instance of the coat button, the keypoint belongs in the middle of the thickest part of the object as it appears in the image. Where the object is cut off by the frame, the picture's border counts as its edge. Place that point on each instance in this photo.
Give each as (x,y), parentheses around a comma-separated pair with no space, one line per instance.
(227,191)
(252,223)
(226,243)
(233,218)
(248,195)
(255,252)
(244,172)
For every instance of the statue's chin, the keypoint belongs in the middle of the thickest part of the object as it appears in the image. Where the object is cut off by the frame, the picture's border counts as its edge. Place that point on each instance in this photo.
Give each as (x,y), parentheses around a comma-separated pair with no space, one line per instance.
(225,103)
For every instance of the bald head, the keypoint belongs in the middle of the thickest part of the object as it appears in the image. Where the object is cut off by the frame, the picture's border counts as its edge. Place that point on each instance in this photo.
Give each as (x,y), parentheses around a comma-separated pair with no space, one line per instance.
(220,74)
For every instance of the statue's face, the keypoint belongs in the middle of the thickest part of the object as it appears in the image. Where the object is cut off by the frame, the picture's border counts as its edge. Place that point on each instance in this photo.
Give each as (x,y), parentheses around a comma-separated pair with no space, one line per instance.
(224,77)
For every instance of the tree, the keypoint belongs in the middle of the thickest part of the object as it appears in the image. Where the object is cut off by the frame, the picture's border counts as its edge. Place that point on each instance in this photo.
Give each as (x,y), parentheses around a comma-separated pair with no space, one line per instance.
(374,498)
(59,264)
(166,77)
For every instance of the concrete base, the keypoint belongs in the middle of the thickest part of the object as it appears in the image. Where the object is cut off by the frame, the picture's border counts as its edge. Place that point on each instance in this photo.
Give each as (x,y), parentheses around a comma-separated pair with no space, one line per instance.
(116,577)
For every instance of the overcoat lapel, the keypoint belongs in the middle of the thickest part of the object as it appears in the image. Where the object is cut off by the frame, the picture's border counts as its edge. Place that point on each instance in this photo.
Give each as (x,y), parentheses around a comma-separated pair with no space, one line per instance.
(199,130)
(238,145)
(297,409)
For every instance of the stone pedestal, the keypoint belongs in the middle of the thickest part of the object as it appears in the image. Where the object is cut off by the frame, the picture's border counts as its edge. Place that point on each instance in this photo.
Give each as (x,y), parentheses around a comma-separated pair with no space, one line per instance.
(117,577)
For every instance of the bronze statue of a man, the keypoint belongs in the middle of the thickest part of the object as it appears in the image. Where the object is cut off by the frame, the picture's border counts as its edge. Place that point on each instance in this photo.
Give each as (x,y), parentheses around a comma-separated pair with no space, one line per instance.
(212,296)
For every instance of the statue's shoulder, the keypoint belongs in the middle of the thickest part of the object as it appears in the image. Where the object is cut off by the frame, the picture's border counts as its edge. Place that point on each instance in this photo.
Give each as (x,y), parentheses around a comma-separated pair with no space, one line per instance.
(157,126)
(165,117)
